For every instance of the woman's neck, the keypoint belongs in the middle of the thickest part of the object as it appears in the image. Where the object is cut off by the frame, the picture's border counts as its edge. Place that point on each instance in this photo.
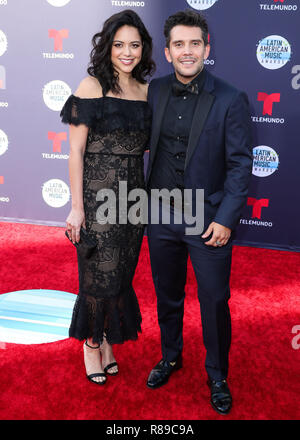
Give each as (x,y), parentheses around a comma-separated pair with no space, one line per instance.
(126,80)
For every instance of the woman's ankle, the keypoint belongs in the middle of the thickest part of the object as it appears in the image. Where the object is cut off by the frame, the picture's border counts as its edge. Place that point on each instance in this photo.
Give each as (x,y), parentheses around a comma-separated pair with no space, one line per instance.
(89,342)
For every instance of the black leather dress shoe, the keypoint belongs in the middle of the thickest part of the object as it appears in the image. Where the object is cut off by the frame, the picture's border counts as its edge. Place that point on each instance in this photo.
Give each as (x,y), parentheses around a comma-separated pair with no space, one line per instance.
(221,399)
(162,371)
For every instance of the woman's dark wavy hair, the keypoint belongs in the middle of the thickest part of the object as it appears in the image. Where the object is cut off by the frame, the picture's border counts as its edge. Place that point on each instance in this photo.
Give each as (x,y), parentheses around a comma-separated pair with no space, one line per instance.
(100,65)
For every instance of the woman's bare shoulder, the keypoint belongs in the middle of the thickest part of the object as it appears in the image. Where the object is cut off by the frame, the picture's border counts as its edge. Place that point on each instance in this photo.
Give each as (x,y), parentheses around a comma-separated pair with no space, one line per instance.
(89,87)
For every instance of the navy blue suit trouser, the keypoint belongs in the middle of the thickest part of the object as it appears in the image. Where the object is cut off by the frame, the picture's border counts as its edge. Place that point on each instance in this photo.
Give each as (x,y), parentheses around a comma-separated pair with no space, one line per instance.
(169,248)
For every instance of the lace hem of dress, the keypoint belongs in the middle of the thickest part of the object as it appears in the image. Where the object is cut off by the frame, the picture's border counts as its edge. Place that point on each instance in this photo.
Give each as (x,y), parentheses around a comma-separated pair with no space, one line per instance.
(118,318)
(107,114)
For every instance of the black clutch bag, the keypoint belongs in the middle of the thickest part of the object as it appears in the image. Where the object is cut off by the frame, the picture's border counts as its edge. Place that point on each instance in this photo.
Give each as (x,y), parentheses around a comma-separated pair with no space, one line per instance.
(86,245)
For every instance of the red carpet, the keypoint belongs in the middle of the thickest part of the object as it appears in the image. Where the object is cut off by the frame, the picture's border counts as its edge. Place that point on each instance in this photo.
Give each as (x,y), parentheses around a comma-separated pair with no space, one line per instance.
(47,381)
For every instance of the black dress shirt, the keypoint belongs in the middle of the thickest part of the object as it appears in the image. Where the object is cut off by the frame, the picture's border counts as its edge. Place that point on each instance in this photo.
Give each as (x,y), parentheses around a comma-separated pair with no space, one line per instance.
(168,170)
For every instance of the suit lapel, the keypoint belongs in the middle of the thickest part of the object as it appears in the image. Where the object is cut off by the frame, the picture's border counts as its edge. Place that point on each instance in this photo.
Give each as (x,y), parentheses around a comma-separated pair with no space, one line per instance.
(203,106)
(164,94)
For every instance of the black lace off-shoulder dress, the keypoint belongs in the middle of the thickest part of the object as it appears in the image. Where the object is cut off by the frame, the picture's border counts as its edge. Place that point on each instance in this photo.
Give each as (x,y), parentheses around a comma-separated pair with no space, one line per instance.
(117,138)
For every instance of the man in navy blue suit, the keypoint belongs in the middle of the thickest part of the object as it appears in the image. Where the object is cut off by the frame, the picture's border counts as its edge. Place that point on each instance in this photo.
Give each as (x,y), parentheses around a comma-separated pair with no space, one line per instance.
(200,140)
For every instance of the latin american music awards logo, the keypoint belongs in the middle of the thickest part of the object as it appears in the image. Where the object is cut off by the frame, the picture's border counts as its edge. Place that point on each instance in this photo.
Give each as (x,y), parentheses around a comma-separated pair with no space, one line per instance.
(265,161)
(55,94)
(3,142)
(3,43)
(201,4)
(58,3)
(56,193)
(273,52)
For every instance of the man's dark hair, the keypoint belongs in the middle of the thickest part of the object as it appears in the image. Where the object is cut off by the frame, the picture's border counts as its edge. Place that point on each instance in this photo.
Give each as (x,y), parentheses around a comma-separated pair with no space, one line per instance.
(186,18)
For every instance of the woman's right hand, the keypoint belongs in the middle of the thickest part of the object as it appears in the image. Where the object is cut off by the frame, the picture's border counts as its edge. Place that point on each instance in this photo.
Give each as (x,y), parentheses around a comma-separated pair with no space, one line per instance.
(75,220)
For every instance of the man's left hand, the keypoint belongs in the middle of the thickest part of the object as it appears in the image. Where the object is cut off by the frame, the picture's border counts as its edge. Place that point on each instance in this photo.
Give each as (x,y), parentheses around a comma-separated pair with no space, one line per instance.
(220,235)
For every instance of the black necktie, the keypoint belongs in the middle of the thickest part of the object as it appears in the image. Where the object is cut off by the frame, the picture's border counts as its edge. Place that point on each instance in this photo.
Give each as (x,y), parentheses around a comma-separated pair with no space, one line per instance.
(181,89)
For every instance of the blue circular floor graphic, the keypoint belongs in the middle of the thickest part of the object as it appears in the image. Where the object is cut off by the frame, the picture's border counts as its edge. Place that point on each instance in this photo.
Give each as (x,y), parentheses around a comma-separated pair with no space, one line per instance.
(35,316)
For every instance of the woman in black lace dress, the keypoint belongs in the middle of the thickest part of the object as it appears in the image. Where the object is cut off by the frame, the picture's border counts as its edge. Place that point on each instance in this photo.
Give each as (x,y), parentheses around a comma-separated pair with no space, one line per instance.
(109,130)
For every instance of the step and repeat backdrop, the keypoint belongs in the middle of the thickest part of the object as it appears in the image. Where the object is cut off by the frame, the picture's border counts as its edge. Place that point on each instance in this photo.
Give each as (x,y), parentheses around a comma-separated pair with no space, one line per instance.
(44,53)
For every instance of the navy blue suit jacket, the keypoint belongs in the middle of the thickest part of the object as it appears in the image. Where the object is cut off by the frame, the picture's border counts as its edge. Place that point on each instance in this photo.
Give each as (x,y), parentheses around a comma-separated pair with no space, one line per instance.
(219,153)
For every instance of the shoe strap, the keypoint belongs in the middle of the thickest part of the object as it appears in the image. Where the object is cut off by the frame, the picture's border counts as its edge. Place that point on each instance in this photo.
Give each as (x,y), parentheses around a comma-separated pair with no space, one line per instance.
(86,343)
(109,366)
(91,376)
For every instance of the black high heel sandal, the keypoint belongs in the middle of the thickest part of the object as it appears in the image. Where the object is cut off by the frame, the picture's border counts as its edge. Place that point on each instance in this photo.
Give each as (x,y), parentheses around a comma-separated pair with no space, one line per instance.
(93,375)
(111,365)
